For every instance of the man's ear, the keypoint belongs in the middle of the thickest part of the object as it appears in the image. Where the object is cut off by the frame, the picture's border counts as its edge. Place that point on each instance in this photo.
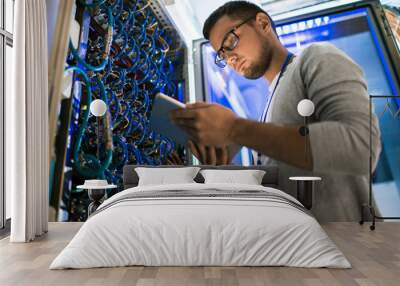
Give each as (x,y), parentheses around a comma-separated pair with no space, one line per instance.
(263,22)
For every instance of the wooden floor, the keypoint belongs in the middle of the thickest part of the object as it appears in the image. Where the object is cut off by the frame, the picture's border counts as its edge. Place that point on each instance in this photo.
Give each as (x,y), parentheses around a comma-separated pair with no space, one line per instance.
(375,257)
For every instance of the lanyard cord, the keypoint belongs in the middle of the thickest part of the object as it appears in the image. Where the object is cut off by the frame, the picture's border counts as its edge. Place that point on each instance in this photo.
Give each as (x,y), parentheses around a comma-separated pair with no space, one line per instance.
(289,57)
(263,117)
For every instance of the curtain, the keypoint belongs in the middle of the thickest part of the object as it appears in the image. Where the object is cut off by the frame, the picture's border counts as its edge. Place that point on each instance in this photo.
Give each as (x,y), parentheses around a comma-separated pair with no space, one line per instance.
(27,144)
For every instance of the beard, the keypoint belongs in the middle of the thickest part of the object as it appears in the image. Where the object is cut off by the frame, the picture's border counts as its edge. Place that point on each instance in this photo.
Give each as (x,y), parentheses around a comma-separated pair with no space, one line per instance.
(263,63)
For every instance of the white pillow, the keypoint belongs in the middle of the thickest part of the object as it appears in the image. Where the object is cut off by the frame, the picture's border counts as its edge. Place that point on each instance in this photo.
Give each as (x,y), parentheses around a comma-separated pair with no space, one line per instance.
(248,177)
(163,176)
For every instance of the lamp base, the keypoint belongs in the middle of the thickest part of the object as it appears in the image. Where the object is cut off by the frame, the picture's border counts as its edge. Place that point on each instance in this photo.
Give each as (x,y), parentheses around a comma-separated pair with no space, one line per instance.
(303,130)
(97,196)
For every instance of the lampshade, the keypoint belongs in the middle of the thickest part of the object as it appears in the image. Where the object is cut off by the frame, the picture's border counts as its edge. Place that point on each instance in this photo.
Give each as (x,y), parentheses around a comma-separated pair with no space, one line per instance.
(98,107)
(305,107)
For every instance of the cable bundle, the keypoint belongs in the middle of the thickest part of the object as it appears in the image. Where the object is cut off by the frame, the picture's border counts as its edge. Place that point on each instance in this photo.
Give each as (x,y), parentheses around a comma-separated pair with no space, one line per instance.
(124,58)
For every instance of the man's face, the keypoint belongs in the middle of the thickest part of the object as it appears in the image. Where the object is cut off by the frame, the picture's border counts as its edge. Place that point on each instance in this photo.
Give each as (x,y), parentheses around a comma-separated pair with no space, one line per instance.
(252,56)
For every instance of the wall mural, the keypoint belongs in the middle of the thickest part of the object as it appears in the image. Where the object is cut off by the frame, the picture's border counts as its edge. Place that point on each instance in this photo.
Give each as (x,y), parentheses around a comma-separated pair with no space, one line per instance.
(125,56)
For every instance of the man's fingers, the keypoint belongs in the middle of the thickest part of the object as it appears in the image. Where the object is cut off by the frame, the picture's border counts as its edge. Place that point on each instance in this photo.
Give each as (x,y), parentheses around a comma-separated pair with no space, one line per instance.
(193,134)
(182,114)
(174,158)
(194,149)
(211,155)
(197,105)
(190,112)
(203,153)
(186,122)
(199,151)
(207,155)
(224,156)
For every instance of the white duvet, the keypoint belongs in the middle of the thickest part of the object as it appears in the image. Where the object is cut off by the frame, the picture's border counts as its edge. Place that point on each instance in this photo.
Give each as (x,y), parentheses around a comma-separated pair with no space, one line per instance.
(205,231)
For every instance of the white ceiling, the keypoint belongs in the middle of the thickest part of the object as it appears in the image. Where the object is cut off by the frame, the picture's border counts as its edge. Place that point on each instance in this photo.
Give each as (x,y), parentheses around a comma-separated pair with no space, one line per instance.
(204,8)
(189,15)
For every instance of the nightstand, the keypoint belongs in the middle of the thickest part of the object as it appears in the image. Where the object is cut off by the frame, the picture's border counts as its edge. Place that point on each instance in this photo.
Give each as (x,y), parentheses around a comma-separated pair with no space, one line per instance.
(305,189)
(96,192)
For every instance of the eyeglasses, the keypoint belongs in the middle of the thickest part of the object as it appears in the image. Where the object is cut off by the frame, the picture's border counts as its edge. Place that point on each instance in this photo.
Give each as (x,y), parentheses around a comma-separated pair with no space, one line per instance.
(229,43)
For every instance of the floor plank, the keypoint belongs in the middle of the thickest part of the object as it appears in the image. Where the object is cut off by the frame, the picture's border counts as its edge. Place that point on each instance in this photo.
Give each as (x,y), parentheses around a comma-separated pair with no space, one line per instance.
(374,255)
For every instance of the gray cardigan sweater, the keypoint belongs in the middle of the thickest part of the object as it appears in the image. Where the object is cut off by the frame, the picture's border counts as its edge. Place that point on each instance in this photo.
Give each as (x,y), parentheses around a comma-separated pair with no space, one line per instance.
(339,129)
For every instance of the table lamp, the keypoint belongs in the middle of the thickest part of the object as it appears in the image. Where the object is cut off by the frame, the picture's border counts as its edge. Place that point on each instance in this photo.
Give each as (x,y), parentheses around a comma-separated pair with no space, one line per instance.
(305,185)
(305,108)
(98,108)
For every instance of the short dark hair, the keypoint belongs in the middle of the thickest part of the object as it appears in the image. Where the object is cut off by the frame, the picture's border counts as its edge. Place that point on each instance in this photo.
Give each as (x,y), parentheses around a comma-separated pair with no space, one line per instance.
(234,9)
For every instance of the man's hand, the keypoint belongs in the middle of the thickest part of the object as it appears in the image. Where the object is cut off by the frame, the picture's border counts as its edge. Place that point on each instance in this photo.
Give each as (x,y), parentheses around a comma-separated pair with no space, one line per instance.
(173,159)
(210,155)
(207,124)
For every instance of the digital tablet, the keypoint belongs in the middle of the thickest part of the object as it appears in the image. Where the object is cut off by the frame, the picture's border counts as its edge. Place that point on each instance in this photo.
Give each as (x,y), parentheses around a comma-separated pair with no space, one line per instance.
(160,121)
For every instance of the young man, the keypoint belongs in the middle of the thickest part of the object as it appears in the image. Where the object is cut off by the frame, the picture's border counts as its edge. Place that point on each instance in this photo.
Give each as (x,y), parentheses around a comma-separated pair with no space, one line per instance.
(244,37)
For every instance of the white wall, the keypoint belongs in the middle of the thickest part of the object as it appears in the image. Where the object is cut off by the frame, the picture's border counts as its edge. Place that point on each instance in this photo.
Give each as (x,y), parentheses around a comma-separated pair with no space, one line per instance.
(52,13)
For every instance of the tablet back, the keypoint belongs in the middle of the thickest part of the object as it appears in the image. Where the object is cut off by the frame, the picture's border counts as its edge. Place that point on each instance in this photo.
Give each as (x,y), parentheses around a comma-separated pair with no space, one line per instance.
(160,121)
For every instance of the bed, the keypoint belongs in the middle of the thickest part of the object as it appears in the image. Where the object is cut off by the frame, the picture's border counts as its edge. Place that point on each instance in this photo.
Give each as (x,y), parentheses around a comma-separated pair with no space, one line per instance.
(198,224)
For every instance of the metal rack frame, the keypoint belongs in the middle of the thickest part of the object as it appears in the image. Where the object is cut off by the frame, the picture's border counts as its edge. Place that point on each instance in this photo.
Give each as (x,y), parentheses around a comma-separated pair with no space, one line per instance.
(370,206)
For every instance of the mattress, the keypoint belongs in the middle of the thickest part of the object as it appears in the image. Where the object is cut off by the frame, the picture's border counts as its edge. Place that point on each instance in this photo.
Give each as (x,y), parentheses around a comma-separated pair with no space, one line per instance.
(201,225)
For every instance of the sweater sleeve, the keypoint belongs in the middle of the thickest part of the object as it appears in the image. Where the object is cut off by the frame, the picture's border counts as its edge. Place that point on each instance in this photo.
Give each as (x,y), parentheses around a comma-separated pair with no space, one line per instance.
(340,139)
